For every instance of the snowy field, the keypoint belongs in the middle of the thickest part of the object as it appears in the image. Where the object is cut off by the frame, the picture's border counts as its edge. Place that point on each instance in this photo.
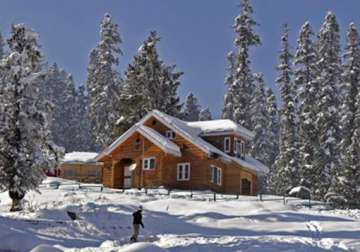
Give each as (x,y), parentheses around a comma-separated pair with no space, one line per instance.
(175,223)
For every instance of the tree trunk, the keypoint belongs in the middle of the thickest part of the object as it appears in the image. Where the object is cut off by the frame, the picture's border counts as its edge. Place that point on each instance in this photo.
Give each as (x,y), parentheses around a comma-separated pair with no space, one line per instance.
(16,198)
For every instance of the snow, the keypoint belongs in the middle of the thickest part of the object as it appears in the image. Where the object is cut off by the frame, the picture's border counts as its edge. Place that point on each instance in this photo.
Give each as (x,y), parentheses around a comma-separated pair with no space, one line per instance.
(174,223)
(221,126)
(79,157)
(298,189)
(45,248)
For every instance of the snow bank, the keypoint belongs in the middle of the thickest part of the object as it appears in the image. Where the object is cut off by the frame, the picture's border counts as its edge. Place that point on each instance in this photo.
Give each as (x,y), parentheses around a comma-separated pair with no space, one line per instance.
(79,157)
(142,247)
(45,248)
(175,224)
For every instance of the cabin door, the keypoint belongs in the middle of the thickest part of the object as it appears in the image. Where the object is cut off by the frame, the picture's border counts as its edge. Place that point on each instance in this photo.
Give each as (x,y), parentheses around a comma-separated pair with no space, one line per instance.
(127,176)
(245,187)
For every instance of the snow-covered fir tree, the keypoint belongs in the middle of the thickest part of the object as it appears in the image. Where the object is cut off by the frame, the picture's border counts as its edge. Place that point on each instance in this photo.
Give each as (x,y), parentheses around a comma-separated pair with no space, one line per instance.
(287,162)
(329,65)
(261,146)
(306,74)
(350,85)
(149,84)
(348,178)
(59,89)
(85,140)
(104,82)
(242,86)
(25,145)
(205,115)
(272,131)
(192,108)
(228,110)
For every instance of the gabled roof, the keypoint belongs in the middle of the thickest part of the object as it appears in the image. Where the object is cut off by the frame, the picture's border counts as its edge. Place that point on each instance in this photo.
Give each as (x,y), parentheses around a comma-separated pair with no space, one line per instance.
(191,131)
(156,138)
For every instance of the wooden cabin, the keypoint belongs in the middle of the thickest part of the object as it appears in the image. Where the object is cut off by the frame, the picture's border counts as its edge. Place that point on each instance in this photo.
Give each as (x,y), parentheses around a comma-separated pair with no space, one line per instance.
(161,150)
(81,167)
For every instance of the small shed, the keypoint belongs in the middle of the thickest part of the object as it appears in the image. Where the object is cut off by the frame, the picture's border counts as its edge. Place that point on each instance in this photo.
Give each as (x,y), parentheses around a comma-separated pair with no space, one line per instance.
(81,167)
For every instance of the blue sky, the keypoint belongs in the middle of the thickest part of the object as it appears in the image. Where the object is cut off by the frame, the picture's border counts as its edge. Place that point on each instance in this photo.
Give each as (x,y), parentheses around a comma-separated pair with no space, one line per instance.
(196,35)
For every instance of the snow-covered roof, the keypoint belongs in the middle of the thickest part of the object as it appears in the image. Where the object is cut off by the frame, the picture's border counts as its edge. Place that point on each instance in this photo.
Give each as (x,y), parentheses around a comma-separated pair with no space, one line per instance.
(80,157)
(192,131)
(220,127)
(161,141)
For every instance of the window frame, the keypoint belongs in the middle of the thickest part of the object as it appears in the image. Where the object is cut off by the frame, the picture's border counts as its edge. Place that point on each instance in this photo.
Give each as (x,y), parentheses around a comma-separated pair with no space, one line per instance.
(216,174)
(239,147)
(170,134)
(181,169)
(148,162)
(227,140)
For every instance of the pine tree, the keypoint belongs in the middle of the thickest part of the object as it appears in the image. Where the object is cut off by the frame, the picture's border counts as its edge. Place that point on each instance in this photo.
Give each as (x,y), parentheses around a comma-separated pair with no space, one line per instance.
(329,65)
(192,108)
(286,164)
(25,145)
(243,86)
(205,115)
(307,95)
(348,180)
(84,136)
(104,82)
(273,125)
(228,111)
(68,119)
(350,86)
(150,84)
(272,128)
(59,89)
(261,146)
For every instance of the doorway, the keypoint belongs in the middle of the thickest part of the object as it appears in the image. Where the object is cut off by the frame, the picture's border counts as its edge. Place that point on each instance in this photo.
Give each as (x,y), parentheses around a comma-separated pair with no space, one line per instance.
(245,187)
(129,167)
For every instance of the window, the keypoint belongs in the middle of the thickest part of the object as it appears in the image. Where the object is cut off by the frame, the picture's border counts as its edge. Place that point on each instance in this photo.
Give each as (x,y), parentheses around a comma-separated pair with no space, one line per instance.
(183,172)
(216,175)
(227,144)
(239,148)
(149,163)
(137,144)
(170,134)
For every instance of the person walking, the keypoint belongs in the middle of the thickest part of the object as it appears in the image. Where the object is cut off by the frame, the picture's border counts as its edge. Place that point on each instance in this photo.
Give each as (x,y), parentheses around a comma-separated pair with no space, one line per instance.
(137,222)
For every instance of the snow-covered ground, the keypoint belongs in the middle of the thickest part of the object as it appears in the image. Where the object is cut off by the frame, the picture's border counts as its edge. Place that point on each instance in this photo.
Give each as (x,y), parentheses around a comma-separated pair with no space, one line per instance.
(175,223)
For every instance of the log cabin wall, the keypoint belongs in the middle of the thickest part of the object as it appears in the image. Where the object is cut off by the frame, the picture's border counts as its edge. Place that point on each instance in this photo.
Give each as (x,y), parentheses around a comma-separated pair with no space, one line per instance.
(81,172)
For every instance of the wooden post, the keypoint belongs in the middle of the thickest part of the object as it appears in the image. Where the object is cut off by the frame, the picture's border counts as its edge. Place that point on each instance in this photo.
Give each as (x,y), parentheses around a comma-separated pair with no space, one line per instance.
(284,199)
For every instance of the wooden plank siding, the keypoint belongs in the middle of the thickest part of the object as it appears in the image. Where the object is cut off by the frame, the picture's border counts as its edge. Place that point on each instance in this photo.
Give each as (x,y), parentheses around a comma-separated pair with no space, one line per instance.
(137,147)
(81,172)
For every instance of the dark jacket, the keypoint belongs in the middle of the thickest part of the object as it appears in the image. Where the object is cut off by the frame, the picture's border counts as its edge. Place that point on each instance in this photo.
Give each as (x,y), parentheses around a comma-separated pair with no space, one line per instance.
(138,218)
